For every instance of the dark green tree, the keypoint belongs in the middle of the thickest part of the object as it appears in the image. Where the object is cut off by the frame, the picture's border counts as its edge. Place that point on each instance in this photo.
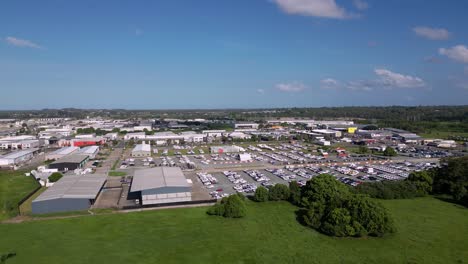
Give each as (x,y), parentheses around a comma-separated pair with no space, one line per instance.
(261,194)
(279,192)
(389,152)
(294,193)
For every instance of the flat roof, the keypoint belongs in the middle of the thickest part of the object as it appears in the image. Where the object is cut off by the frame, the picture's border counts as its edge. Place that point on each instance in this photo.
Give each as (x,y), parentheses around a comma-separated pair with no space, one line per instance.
(64,151)
(89,150)
(73,158)
(159,177)
(142,147)
(17,154)
(74,186)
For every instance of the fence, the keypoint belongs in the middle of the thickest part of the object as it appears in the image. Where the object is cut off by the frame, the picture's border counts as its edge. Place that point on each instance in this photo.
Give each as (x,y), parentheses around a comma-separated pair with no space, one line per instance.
(210,201)
(28,196)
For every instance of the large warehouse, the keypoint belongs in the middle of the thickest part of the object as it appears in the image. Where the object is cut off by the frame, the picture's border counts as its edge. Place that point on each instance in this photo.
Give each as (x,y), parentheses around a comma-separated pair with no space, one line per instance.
(70,162)
(161,185)
(70,193)
(62,152)
(141,150)
(17,157)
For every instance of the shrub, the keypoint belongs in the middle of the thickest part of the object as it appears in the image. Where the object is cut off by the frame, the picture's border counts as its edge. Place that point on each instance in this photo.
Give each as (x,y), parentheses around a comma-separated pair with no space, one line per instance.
(55,177)
(294,193)
(389,152)
(261,194)
(232,207)
(279,192)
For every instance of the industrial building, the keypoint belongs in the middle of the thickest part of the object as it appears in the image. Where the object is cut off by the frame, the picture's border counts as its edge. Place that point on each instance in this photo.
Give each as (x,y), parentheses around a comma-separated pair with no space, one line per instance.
(161,185)
(83,142)
(142,150)
(60,153)
(90,151)
(70,193)
(17,157)
(246,125)
(69,162)
(225,149)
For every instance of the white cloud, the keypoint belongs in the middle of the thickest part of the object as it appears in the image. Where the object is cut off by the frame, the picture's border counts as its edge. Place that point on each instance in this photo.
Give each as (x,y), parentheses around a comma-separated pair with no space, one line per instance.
(361,85)
(432,33)
(261,91)
(293,87)
(457,53)
(22,43)
(396,80)
(360,4)
(329,83)
(316,8)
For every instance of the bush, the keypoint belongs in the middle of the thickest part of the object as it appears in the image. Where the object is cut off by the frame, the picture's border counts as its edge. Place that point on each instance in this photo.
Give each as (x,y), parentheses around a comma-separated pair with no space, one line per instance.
(294,193)
(389,190)
(55,177)
(234,207)
(334,210)
(279,192)
(389,152)
(231,207)
(261,194)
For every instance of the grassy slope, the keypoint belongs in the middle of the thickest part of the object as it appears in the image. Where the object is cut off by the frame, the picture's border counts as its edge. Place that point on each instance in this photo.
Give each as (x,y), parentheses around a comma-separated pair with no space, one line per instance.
(13,187)
(429,231)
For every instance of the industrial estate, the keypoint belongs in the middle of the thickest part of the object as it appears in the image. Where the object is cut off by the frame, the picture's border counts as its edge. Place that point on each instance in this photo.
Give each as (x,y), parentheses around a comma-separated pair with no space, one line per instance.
(73,167)
(160,162)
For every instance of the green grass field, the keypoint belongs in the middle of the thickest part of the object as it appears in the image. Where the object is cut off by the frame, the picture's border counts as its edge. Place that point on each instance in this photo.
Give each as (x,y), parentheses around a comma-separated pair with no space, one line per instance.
(117,173)
(26,206)
(14,185)
(429,231)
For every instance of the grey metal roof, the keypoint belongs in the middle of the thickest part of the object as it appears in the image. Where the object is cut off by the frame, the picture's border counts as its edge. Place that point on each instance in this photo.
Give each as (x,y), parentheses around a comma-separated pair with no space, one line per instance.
(18,154)
(72,158)
(64,151)
(74,186)
(159,177)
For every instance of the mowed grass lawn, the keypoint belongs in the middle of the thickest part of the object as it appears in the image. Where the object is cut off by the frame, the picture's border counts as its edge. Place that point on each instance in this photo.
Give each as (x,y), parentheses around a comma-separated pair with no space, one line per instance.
(14,186)
(429,231)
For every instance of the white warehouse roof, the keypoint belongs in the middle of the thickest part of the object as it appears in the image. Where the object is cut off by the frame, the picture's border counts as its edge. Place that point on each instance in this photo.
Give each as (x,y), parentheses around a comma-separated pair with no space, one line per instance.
(74,186)
(159,177)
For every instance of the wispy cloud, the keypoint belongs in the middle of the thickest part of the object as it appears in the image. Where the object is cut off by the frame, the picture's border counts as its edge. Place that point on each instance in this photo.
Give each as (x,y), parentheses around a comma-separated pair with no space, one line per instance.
(24,43)
(293,87)
(315,8)
(457,53)
(329,84)
(386,79)
(392,79)
(261,91)
(432,33)
(361,4)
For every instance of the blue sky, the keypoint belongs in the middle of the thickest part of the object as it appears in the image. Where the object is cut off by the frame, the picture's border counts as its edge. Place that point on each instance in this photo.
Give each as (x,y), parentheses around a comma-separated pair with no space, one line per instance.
(232,54)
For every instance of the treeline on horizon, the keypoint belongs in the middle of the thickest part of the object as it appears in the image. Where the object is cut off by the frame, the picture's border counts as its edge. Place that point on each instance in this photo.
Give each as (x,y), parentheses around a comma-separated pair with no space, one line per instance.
(370,114)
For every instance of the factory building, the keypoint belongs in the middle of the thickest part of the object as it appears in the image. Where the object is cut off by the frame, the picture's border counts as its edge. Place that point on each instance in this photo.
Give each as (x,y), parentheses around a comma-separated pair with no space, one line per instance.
(17,157)
(83,142)
(60,153)
(69,162)
(90,151)
(142,150)
(225,149)
(161,185)
(70,193)
(246,125)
